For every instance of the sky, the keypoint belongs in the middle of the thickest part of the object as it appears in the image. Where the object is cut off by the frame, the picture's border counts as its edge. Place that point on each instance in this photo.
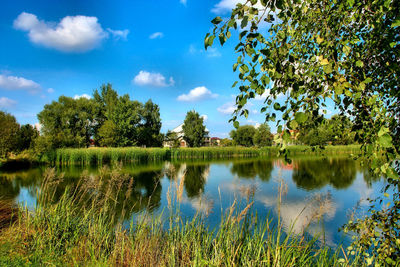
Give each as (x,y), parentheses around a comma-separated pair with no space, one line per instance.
(149,49)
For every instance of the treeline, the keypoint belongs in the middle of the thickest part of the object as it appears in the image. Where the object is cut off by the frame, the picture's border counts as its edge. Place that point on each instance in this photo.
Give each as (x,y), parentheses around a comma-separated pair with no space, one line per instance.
(107,119)
(318,131)
(335,131)
(248,135)
(15,137)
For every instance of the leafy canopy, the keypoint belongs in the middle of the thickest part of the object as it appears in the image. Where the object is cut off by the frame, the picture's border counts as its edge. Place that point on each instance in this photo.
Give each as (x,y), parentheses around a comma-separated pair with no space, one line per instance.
(194,129)
(312,51)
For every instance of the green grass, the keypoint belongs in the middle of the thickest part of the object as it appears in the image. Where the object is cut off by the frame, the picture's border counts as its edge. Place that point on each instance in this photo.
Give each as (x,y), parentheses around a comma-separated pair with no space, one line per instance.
(80,229)
(98,156)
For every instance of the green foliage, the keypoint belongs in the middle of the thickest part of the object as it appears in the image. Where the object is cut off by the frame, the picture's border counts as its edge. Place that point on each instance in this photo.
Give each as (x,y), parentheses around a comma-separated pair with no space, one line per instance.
(226,142)
(9,129)
(107,134)
(336,131)
(110,119)
(27,134)
(68,122)
(243,135)
(194,129)
(263,136)
(172,137)
(149,130)
(345,51)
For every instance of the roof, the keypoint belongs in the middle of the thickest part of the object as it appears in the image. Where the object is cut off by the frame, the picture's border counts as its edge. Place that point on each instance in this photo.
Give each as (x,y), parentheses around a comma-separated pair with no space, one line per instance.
(179,130)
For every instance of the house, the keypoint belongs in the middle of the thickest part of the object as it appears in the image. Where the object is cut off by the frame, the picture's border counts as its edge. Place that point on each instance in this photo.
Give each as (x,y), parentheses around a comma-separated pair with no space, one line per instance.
(182,143)
(215,141)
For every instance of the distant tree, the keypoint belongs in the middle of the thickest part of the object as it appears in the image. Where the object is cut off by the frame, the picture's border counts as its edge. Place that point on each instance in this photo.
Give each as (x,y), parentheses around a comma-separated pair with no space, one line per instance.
(26,136)
(263,136)
(126,116)
(226,142)
(321,131)
(106,100)
(108,134)
(68,122)
(243,135)
(110,119)
(9,129)
(341,128)
(150,126)
(194,129)
(172,137)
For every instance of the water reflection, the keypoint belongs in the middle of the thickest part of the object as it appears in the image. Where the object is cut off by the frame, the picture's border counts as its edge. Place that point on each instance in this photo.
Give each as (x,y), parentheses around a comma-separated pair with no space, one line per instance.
(311,174)
(253,168)
(195,176)
(144,188)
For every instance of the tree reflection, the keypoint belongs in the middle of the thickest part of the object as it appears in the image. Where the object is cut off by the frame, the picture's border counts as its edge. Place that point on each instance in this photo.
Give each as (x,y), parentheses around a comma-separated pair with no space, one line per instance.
(314,174)
(195,179)
(11,182)
(253,168)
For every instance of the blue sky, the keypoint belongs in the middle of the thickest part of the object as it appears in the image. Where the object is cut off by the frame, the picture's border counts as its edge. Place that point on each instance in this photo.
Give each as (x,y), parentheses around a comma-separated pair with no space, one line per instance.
(149,49)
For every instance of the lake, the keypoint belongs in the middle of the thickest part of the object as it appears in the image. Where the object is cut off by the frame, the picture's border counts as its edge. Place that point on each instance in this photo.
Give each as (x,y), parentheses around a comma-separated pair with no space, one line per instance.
(319,194)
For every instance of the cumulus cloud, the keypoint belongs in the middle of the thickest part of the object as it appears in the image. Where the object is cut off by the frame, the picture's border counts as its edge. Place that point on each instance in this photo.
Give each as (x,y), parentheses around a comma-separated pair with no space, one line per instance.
(197,94)
(225,5)
(119,34)
(82,96)
(183,2)
(156,35)
(18,83)
(227,108)
(71,34)
(50,90)
(6,102)
(145,78)
(205,117)
(210,52)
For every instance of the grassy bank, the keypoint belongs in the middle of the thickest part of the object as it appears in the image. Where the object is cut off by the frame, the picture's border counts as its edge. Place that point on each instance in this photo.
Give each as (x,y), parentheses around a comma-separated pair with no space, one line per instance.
(84,156)
(65,234)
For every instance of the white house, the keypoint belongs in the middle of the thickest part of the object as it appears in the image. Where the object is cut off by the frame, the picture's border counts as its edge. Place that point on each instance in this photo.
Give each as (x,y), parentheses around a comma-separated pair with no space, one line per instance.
(179,132)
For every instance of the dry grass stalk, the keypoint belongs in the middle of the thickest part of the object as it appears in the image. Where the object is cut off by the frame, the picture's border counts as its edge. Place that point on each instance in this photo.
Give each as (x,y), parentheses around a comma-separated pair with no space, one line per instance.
(244,212)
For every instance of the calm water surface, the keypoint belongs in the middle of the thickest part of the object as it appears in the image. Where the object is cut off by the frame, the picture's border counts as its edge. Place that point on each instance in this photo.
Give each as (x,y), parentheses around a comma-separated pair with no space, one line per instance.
(321,193)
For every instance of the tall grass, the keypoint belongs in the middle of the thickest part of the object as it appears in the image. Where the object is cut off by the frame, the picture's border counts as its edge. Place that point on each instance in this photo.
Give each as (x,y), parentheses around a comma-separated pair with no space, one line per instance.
(98,156)
(62,233)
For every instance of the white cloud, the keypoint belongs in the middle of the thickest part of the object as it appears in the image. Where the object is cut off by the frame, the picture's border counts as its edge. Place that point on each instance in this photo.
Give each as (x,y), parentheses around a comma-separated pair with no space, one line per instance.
(225,6)
(18,83)
(183,2)
(210,52)
(205,117)
(82,96)
(213,52)
(197,94)
(71,34)
(50,90)
(119,34)
(263,96)
(156,35)
(145,78)
(227,108)
(6,102)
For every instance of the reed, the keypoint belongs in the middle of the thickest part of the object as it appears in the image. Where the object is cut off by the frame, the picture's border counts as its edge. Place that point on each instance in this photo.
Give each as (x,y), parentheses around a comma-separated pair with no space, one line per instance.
(98,156)
(62,233)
